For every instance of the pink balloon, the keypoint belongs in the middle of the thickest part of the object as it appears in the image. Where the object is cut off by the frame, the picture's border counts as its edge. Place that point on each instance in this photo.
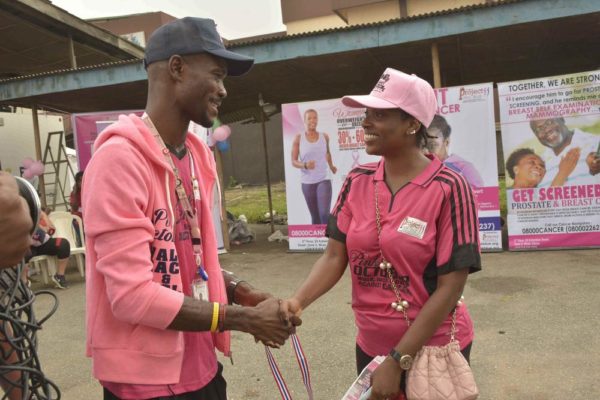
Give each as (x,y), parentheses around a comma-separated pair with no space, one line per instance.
(37,168)
(27,174)
(221,133)
(27,162)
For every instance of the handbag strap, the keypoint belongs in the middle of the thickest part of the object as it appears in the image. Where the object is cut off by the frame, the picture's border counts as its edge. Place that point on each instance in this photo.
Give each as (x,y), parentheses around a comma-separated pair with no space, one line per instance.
(389,270)
(302,364)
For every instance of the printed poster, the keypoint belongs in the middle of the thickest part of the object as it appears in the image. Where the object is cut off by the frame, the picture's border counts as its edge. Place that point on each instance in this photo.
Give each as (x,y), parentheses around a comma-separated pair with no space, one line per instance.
(466,117)
(87,126)
(551,142)
(465,133)
(308,205)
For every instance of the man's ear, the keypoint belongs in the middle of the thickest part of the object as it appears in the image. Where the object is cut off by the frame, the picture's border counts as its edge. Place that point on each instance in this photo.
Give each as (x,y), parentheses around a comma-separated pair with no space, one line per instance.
(176,66)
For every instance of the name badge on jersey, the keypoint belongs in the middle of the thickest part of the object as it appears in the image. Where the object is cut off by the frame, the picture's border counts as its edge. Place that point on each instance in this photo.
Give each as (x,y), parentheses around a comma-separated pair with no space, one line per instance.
(413,227)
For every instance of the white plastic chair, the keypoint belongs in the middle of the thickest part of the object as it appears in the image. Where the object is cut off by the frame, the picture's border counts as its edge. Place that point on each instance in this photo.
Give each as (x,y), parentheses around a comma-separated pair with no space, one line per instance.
(63,222)
(45,265)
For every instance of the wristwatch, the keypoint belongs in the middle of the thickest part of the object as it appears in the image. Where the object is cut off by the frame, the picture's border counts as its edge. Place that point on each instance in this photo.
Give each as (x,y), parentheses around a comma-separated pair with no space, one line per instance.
(404,360)
(230,289)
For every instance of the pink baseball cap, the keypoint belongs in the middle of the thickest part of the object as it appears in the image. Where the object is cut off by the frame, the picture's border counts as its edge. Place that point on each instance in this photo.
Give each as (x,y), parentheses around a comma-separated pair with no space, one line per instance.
(396,89)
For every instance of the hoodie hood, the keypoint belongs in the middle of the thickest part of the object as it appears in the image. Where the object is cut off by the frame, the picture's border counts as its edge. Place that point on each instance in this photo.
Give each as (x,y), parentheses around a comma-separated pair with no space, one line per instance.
(133,128)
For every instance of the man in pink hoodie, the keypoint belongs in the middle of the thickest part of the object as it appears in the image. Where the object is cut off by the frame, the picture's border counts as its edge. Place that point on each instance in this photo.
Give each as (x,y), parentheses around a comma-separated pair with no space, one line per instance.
(158,303)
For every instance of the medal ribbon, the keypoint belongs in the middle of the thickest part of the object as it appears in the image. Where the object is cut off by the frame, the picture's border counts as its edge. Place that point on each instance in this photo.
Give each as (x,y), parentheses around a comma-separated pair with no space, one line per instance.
(302,363)
(190,212)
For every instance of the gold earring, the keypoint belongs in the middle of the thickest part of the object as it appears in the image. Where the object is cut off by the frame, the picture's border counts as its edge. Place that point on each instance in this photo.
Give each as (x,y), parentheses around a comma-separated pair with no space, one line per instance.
(412,132)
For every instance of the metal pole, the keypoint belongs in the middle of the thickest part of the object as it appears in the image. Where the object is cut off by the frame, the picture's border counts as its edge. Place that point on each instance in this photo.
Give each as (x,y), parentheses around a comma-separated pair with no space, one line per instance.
(264,137)
(224,226)
(38,152)
(435,59)
(72,57)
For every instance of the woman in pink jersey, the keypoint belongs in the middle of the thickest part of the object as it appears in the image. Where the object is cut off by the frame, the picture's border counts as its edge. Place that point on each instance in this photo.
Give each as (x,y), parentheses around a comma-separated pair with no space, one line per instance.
(407,227)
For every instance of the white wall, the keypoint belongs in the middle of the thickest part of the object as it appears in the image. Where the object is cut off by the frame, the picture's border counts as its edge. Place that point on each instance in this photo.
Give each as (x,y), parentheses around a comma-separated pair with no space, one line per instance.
(16,137)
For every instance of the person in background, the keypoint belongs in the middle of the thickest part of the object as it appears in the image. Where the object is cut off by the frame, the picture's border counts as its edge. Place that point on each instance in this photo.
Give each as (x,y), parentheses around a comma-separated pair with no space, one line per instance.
(407,228)
(158,303)
(310,153)
(15,222)
(44,243)
(562,142)
(438,143)
(75,203)
(75,197)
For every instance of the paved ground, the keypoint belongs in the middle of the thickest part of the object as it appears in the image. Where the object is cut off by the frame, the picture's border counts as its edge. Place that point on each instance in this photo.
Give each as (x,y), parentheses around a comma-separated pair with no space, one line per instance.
(536,316)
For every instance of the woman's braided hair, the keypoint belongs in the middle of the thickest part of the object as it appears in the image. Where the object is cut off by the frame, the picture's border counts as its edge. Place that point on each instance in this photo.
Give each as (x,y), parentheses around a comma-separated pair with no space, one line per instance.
(421,135)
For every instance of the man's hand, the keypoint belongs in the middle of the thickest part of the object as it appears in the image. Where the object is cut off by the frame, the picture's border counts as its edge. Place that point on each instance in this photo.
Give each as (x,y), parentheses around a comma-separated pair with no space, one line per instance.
(593,162)
(15,222)
(568,163)
(248,296)
(267,326)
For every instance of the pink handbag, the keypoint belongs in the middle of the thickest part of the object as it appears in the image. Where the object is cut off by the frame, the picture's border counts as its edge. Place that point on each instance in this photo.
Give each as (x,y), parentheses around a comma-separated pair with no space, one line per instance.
(441,373)
(437,372)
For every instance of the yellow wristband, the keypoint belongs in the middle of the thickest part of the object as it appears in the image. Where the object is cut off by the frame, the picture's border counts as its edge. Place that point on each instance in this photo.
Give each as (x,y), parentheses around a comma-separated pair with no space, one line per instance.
(215,317)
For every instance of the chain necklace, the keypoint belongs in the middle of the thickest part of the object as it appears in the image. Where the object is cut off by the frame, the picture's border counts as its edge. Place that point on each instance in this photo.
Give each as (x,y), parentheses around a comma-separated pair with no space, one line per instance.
(400,305)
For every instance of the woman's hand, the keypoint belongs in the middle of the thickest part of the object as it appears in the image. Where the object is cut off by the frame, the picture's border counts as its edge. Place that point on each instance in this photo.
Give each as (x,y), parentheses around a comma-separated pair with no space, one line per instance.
(290,310)
(385,381)
(291,318)
(333,169)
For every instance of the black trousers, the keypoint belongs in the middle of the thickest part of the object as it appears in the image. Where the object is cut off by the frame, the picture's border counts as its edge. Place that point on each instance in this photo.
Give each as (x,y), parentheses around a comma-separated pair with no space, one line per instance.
(214,390)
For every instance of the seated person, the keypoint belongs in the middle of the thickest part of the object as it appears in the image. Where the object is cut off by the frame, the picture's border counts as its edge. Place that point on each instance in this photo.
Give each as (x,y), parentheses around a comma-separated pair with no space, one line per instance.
(44,244)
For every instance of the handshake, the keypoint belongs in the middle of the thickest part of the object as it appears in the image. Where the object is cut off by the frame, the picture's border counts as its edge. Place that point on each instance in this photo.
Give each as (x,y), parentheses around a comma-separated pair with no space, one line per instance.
(271,321)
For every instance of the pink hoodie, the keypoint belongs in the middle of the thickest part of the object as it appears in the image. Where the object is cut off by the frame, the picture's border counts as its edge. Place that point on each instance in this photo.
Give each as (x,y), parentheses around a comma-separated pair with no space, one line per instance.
(128,199)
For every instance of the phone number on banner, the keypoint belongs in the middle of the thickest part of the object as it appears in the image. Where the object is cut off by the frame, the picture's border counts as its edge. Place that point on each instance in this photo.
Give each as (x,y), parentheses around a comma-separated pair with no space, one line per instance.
(561,229)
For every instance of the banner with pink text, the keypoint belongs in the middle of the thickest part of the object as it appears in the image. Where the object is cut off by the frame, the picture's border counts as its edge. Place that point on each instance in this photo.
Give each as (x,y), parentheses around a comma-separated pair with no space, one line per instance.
(87,126)
(551,142)
(313,181)
(465,142)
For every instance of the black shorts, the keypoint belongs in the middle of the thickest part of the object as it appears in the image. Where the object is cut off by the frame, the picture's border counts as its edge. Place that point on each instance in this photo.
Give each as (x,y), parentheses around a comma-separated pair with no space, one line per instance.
(58,247)
(214,390)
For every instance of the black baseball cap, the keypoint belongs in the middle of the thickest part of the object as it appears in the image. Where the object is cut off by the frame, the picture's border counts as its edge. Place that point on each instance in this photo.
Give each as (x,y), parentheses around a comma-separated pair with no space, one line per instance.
(192,35)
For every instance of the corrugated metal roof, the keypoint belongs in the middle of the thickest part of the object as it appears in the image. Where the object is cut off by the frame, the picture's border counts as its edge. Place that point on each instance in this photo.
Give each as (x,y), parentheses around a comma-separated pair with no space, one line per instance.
(66,70)
(284,36)
(275,38)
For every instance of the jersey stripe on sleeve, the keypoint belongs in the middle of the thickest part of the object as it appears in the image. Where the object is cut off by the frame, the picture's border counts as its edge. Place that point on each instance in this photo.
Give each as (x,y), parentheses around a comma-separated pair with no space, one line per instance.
(463,214)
